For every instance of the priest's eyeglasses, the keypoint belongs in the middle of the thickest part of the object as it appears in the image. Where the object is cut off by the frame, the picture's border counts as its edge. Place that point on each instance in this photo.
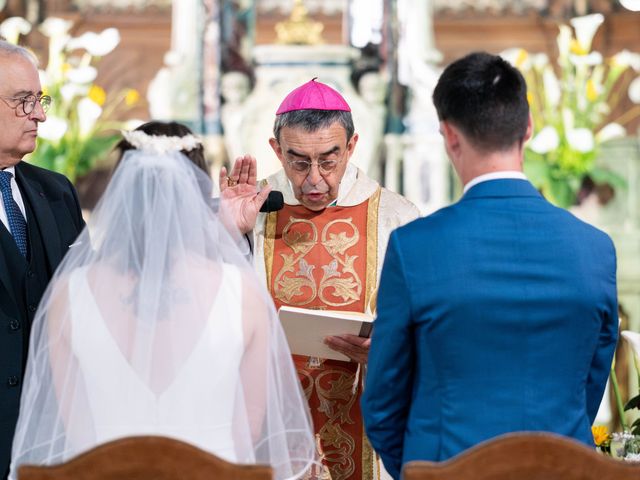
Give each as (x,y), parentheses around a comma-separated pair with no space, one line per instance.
(324,166)
(28,102)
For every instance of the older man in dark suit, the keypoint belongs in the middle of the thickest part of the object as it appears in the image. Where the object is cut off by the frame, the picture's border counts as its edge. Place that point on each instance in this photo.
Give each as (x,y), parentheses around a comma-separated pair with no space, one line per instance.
(39,218)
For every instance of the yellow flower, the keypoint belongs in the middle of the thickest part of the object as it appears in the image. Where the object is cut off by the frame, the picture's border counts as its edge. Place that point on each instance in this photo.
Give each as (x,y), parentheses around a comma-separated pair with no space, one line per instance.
(97,94)
(600,434)
(592,91)
(576,48)
(131,98)
(522,57)
(66,67)
(530,98)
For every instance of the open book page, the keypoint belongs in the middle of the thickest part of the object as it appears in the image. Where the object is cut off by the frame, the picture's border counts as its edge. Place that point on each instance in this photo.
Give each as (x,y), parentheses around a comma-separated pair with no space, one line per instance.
(306,329)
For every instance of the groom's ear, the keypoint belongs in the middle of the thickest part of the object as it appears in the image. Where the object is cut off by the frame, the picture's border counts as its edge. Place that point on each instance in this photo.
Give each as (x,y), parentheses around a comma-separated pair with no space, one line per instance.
(451,136)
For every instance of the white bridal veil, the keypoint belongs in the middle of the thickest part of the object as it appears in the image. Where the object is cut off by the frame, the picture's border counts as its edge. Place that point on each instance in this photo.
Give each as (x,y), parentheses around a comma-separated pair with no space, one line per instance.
(155,323)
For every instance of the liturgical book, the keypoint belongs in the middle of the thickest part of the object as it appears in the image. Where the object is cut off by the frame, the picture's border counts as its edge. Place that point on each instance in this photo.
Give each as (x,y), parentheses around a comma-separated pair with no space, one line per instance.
(306,329)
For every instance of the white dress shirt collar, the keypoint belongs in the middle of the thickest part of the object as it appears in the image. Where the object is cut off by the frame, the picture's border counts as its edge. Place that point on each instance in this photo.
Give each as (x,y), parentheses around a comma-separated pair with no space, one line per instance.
(513,174)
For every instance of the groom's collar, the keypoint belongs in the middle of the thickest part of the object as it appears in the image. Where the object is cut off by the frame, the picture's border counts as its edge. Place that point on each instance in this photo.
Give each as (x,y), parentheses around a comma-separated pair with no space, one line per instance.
(502,187)
(494,176)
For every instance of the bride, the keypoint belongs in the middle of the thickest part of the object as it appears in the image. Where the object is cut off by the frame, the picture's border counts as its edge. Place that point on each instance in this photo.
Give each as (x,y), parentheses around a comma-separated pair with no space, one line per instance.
(154,323)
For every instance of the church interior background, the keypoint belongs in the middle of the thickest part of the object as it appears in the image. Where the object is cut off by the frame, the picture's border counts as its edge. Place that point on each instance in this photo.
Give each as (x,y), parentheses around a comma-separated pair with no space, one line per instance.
(222,66)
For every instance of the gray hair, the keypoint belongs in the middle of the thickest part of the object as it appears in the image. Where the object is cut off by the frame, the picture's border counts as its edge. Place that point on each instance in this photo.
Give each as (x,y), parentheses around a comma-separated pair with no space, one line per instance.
(7,49)
(313,120)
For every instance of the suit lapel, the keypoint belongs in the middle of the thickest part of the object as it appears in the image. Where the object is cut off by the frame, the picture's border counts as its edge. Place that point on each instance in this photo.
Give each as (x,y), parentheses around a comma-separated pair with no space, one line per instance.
(43,216)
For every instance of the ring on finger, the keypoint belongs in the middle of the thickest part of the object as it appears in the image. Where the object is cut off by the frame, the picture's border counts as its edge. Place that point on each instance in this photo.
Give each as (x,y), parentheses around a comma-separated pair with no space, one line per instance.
(231,182)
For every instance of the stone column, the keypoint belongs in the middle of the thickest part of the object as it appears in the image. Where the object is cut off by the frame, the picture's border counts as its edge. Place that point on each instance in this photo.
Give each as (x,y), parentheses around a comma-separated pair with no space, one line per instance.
(210,67)
(174,93)
(426,178)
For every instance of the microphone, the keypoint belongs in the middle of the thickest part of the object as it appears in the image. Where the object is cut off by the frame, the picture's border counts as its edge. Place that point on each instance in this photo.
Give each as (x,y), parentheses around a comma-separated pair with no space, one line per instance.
(273,203)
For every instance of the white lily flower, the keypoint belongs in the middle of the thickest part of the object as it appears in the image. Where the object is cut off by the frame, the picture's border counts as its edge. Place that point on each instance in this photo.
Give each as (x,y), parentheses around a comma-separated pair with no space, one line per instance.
(71,90)
(568,119)
(539,61)
(610,131)
(545,141)
(581,139)
(633,338)
(510,55)
(53,129)
(564,41)
(132,124)
(13,27)
(82,75)
(586,28)
(88,113)
(634,90)
(594,58)
(552,91)
(633,5)
(517,57)
(97,45)
(79,42)
(625,59)
(54,27)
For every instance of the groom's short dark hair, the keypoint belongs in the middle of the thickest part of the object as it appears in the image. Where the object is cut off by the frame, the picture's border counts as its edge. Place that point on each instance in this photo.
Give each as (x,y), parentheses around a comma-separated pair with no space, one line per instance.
(486,98)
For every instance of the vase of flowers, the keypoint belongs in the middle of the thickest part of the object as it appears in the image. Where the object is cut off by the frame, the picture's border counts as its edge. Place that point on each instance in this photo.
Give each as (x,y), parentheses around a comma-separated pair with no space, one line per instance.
(572,101)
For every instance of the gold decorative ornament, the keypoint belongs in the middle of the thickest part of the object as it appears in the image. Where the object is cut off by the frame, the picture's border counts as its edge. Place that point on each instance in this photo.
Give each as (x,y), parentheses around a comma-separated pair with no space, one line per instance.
(299,29)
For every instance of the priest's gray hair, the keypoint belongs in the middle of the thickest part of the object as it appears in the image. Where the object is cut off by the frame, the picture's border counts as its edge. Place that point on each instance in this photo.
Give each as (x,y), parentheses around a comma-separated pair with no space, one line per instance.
(313,120)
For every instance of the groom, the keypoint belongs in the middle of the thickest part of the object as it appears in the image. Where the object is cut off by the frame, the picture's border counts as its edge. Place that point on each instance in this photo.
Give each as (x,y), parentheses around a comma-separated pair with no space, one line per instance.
(498,313)
(39,218)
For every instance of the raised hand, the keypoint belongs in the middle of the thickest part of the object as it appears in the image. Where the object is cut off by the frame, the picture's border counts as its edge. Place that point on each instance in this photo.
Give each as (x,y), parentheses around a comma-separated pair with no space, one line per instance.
(240,198)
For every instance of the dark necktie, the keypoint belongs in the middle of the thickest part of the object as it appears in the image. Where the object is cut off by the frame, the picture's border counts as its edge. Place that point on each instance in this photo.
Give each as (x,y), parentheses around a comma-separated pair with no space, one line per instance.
(17,223)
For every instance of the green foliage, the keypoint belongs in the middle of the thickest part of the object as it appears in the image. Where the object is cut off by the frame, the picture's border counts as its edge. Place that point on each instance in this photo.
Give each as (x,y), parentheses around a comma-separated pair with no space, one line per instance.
(571,104)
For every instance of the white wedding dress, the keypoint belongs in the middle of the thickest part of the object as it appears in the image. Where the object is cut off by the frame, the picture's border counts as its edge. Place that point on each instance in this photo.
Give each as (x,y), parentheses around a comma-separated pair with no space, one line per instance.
(193,408)
(155,324)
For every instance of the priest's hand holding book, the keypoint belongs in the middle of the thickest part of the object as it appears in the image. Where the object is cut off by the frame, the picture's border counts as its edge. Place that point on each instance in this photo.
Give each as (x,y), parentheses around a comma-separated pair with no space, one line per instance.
(327,334)
(353,346)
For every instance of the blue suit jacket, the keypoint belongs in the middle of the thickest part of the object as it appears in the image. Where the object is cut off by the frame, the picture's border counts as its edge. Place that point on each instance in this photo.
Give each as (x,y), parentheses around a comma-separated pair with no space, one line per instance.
(496,314)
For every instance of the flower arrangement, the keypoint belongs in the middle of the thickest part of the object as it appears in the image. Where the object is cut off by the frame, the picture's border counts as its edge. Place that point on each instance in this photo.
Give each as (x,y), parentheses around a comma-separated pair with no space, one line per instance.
(571,104)
(633,339)
(625,444)
(80,127)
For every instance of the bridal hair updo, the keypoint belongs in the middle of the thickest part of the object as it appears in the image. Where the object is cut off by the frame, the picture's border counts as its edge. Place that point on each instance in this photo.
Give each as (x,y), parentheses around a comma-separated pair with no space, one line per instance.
(167,129)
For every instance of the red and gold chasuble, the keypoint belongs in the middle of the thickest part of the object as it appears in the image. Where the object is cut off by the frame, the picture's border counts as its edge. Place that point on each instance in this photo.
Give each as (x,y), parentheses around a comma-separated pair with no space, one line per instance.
(328,260)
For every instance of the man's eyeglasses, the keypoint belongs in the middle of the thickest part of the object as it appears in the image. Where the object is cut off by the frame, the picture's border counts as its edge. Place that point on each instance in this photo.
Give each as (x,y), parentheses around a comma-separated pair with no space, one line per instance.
(29,102)
(303,166)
